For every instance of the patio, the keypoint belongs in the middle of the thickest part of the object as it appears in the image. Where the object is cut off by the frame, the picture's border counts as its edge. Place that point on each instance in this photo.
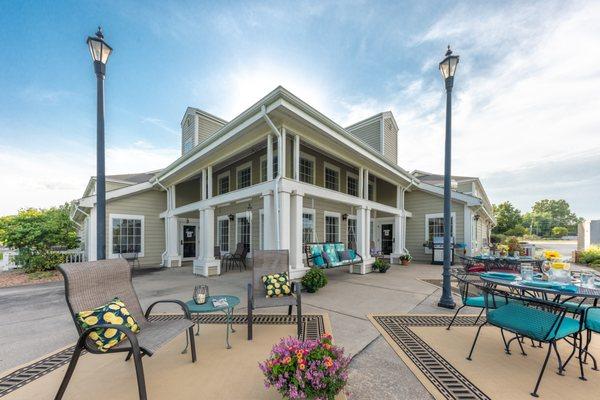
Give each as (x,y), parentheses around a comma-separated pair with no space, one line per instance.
(376,370)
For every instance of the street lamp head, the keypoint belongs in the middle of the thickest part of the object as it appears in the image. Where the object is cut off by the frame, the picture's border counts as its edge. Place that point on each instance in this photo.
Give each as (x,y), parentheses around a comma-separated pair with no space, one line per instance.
(448,65)
(99,49)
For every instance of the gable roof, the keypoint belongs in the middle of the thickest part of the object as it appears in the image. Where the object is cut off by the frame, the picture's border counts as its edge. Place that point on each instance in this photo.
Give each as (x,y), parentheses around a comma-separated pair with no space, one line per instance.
(438,179)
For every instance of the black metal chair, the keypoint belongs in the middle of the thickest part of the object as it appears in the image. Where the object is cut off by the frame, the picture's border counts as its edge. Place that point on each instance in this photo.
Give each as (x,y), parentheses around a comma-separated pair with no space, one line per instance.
(92,284)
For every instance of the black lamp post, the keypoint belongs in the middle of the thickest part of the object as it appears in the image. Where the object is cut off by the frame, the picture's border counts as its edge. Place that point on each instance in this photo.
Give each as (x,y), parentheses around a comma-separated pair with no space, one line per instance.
(448,68)
(100,52)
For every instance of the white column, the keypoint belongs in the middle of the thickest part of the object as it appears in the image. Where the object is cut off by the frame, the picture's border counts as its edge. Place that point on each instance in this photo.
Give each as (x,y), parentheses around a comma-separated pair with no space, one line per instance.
(362,237)
(268,221)
(296,263)
(397,250)
(92,255)
(269,157)
(284,219)
(366,185)
(297,157)
(361,186)
(282,153)
(209,182)
(468,229)
(203,190)
(172,232)
(206,264)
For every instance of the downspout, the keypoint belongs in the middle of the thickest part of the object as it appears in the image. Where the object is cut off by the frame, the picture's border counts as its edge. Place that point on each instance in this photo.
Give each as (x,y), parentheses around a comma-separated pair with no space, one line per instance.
(279,166)
(164,253)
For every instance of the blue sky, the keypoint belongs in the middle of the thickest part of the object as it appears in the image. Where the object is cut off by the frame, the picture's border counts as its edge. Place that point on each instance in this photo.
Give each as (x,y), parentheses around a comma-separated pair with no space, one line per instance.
(526,106)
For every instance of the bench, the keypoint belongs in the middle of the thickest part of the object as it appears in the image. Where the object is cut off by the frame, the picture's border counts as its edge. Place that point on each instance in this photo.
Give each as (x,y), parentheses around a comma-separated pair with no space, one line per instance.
(335,252)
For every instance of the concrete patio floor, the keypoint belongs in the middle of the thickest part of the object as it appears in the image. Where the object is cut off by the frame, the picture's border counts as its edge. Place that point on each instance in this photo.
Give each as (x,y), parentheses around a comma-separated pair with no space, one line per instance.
(35,319)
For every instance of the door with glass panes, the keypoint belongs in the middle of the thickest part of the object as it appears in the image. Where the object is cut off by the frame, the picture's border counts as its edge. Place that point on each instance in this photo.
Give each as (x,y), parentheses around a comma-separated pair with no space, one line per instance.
(188,241)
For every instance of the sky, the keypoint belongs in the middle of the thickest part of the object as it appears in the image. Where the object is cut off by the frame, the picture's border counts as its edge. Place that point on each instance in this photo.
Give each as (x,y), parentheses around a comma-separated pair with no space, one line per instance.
(526,108)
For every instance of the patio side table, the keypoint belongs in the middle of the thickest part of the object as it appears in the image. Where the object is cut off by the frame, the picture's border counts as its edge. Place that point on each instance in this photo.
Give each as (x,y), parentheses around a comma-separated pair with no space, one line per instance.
(208,307)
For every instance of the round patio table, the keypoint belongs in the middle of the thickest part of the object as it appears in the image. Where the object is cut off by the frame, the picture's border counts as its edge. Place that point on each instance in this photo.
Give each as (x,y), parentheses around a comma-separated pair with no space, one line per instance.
(208,307)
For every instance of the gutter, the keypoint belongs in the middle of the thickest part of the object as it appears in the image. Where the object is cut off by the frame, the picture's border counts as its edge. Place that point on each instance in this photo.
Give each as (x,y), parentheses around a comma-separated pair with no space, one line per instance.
(164,253)
(278,177)
(412,182)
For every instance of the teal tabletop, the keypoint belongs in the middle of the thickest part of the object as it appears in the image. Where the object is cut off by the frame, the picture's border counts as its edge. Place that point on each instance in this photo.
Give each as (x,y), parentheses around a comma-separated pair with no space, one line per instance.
(207,307)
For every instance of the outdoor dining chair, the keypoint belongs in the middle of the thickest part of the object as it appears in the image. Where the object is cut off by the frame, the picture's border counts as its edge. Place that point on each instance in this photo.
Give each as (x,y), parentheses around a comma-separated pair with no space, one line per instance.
(534,318)
(92,284)
(272,262)
(592,325)
(238,257)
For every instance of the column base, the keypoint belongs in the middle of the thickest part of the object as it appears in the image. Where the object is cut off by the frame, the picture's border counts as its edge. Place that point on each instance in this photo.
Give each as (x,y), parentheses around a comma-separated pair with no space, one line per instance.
(207,267)
(396,257)
(172,261)
(298,273)
(365,268)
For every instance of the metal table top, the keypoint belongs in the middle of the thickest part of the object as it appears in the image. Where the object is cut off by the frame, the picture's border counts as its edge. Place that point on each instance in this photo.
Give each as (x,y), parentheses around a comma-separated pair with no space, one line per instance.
(592,293)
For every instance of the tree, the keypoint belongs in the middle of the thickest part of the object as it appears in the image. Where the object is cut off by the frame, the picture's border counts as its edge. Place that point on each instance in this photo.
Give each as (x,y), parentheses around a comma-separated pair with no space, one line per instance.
(518,231)
(36,234)
(547,214)
(507,217)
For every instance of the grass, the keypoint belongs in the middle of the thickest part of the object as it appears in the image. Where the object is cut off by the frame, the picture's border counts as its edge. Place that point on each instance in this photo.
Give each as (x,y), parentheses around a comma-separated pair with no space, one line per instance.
(35,276)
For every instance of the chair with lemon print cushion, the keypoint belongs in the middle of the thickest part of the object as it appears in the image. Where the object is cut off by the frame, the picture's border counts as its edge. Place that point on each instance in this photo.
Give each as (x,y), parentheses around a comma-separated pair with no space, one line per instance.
(271,263)
(93,285)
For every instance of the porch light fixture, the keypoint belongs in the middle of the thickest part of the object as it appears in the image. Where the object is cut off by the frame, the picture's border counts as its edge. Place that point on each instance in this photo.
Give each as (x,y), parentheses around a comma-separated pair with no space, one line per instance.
(100,52)
(448,69)
(476,217)
(231,217)
(344,217)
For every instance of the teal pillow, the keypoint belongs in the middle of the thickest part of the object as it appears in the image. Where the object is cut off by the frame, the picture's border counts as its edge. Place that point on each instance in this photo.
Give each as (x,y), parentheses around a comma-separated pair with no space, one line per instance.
(352,254)
(329,248)
(317,255)
(339,247)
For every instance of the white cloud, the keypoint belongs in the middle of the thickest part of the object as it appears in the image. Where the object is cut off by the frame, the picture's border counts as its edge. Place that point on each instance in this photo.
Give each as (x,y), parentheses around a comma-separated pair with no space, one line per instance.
(51,177)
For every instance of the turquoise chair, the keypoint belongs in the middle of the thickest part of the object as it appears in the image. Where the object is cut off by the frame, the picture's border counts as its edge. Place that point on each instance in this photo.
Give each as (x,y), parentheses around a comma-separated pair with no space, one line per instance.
(592,324)
(537,319)
(470,299)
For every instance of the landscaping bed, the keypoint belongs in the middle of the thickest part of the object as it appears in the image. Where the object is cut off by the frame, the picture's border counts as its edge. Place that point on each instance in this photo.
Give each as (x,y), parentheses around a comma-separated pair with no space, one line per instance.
(20,278)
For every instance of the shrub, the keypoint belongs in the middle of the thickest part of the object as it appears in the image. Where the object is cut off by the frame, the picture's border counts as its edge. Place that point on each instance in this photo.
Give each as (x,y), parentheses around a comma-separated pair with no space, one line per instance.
(405,257)
(496,238)
(591,255)
(518,231)
(381,265)
(314,280)
(513,245)
(309,369)
(559,231)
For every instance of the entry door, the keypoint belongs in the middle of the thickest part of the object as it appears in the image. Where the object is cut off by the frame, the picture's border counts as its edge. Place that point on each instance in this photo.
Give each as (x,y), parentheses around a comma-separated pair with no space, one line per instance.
(387,238)
(188,241)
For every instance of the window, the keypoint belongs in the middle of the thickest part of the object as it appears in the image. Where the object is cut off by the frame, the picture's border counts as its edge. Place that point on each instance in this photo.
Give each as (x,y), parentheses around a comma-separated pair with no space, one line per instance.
(332,177)
(244,175)
(126,234)
(351,229)
(263,167)
(308,226)
(352,185)
(243,230)
(307,169)
(223,183)
(188,144)
(434,226)
(223,233)
(332,227)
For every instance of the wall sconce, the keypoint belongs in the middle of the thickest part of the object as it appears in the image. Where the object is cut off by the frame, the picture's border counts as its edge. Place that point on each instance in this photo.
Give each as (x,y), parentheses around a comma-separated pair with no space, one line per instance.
(231,217)
(476,217)
(344,217)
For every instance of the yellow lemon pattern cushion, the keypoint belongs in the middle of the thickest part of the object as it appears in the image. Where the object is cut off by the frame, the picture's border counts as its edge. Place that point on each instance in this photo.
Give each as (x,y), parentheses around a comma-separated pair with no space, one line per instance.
(114,313)
(277,285)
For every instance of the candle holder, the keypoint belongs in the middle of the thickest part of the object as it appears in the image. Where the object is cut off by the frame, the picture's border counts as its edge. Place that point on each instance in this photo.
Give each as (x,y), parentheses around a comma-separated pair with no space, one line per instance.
(200,294)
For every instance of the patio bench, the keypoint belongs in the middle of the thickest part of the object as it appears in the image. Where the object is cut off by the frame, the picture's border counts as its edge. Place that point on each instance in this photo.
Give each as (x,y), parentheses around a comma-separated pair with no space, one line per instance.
(314,255)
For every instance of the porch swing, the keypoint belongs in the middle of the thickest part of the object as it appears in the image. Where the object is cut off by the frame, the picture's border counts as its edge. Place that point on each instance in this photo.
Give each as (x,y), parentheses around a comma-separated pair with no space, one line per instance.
(331,254)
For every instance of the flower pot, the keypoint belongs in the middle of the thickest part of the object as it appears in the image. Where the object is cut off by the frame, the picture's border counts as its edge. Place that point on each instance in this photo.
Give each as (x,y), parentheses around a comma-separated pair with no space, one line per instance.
(405,262)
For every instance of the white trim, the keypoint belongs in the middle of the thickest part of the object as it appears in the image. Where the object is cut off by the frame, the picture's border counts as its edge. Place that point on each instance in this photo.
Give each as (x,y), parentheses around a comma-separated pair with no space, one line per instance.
(353,175)
(332,167)
(312,212)
(312,159)
(264,158)
(240,168)
(219,219)
(336,215)
(438,190)
(243,214)
(110,232)
(221,176)
(439,215)
(140,187)
(188,221)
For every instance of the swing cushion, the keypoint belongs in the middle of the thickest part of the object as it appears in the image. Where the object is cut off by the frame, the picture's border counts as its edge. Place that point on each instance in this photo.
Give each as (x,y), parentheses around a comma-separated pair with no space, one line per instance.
(329,248)
(339,247)
(317,255)
(532,322)
(346,255)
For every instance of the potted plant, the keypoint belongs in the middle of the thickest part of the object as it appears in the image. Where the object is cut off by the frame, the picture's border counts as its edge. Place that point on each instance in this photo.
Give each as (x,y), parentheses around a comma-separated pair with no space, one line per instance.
(314,280)
(309,369)
(405,259)
(381,265)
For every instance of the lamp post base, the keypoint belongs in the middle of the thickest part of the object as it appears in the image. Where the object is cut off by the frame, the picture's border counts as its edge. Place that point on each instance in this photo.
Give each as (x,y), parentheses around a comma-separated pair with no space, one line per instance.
(450,304)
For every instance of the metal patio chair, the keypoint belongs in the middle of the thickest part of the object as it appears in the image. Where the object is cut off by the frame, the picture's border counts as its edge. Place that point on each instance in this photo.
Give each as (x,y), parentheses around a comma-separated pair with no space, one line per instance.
(238,257)
(131,258)
(271,262)
(92,284)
